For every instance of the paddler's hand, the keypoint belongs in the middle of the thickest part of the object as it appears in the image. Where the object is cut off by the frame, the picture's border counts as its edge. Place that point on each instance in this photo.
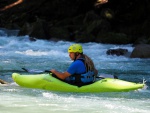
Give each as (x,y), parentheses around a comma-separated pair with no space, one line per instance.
(60,75)
(53,71)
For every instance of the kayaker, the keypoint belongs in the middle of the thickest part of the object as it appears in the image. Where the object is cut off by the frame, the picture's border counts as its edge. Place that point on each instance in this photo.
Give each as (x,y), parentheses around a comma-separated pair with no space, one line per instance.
(81,71)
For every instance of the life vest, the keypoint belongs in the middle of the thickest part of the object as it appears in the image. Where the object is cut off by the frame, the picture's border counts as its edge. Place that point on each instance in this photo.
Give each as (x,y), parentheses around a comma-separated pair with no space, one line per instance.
(81,79)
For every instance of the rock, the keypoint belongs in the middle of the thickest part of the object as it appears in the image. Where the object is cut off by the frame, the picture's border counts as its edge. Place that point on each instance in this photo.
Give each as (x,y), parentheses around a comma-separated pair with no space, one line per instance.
(59,33)
(141,40)
(37,29)
(112,38)
(141,51)
(84,37)
(3,82)
(115,22)
(117,52)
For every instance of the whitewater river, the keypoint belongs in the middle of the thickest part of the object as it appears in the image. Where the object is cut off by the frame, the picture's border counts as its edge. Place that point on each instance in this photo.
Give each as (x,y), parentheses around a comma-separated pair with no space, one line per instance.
(19,52)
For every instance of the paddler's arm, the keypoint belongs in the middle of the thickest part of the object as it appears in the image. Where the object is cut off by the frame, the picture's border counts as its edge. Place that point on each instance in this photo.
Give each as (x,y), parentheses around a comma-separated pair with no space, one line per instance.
(60,74)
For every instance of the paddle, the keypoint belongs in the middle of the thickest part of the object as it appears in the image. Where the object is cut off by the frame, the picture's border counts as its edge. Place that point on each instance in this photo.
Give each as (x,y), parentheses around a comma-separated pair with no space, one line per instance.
(107,76)
(35,71)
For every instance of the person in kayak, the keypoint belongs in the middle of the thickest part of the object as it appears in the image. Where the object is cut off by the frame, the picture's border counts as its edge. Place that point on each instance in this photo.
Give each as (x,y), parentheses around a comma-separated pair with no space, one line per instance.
(81,71)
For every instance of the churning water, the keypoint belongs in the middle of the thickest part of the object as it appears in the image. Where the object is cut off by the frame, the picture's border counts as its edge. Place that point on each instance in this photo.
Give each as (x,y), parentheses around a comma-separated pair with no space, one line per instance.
(19,52)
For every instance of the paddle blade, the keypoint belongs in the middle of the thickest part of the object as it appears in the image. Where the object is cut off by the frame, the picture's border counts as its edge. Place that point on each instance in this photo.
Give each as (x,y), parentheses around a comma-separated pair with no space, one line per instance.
(34,71)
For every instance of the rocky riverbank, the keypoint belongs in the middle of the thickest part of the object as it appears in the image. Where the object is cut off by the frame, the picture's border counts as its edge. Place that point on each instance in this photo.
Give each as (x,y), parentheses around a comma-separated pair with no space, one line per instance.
(114,22)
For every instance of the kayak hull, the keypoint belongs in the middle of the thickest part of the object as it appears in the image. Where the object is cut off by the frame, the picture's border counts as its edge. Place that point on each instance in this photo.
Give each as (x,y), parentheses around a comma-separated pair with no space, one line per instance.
(48,82)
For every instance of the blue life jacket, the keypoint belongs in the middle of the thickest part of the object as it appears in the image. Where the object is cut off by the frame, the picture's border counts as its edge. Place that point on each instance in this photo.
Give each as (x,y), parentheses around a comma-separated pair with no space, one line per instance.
(81,79)
(88,77)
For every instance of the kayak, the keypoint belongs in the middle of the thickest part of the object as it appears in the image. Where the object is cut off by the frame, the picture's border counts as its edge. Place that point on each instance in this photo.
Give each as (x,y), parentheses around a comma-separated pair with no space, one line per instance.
(48,82)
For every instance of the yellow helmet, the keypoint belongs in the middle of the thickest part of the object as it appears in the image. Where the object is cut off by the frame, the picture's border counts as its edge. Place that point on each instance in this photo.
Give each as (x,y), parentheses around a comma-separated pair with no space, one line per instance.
(75,48)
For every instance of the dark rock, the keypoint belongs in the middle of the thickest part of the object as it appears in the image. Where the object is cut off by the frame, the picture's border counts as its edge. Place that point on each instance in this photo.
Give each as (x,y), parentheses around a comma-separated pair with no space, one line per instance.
(141,40)
(36,29)
(141,51)
(117,52)
(59,33)
(32,39)
(112,38)
(113,22)
(3,82)
(84,37)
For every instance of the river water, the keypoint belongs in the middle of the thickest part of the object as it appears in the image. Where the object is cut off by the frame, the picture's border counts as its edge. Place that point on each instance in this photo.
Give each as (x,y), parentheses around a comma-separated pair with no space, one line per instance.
(18,52)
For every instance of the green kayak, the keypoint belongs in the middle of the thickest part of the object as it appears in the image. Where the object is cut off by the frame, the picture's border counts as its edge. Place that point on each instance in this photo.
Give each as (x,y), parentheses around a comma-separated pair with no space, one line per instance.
(48,82)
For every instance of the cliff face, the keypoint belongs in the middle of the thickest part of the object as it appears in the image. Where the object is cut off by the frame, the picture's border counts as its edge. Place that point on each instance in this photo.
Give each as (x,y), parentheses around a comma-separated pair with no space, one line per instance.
(117,21)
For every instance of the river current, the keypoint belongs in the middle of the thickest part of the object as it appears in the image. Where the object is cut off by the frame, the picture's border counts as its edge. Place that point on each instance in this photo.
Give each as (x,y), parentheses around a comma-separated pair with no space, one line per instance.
(17,52)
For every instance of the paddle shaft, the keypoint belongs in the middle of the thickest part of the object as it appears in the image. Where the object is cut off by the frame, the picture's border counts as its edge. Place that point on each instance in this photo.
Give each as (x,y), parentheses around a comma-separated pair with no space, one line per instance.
(35,71)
